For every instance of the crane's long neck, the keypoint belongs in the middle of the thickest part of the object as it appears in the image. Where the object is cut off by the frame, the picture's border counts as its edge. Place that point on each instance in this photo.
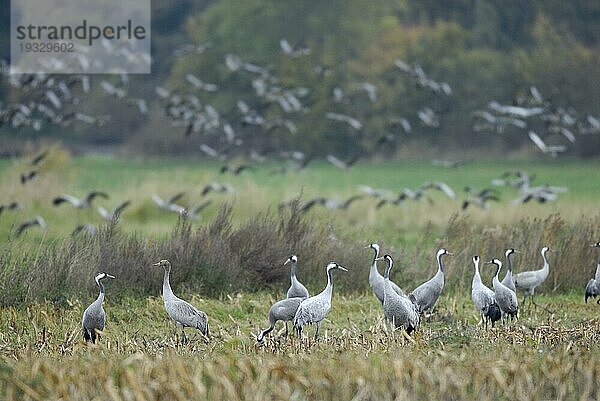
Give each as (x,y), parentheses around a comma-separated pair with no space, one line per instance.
(509,263)
(293,272)
(374,272)
(167,292)
(101,295)
(329,288)
(440,263)
(495,280)
(387,287)
(476,275)
(546,266)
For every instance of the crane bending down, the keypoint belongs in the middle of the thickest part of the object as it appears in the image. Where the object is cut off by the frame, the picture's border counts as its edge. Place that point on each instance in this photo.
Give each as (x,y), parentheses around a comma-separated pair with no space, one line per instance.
(399,310)
(527,281)
(592,289)
(315,308)
(183,313)
(283,310)
(94,317)
(508,277)
(484,298)
(505,297)
(428,293)
(376,280)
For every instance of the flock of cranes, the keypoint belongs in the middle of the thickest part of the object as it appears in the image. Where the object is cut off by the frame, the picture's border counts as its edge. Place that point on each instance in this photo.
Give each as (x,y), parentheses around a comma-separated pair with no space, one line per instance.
(519,180)
(244,129)
(401,310)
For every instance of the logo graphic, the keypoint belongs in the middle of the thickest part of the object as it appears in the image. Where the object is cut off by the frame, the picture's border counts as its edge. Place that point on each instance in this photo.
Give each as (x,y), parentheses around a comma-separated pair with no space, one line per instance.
(80,36)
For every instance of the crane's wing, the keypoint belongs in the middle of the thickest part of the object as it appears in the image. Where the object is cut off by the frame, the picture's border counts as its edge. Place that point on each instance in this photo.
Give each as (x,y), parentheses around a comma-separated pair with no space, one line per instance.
(537,140)
(65,198)
(175,197)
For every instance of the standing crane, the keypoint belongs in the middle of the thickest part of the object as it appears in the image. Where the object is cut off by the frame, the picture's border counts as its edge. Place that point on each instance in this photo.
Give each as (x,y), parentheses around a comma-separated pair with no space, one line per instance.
(592,289)
(315,308)
(376,280)
(399,310)
(297,289)
(505,297)
(94,317)
(428,293)
(183,313)
(527,281)
(484,298)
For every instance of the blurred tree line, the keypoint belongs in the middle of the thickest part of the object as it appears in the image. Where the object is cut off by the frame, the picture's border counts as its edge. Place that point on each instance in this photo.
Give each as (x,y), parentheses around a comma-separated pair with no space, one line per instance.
(484,49)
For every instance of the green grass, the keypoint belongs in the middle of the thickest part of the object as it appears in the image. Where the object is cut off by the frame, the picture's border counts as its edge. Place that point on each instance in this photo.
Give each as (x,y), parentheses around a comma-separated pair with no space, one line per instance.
(260,190)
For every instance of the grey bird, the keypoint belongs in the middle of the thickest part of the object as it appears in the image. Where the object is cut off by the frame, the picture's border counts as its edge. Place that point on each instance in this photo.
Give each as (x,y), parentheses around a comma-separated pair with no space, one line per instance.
(169,204)
(508,277)
(527,281)
(94,317)
(297,289)
(428,293)
(113,214)
(483,297)
(376,280)
(592,289)
(399,310)
(284,311)
(314,309)
(505,297)
(183,313)
(79,203)
(36,221)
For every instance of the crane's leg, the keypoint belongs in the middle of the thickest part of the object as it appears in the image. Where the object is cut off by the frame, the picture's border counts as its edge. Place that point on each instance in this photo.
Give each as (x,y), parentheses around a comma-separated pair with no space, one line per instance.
(317,330)
(286,328)
(183,336)
(86,336)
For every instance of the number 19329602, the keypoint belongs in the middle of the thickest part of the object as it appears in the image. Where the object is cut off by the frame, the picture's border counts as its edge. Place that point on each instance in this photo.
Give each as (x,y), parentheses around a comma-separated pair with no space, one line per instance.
(46,47)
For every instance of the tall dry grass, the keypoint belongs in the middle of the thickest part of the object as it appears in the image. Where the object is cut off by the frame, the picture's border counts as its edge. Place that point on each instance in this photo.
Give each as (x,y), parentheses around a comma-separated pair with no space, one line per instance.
(568,374)
(219,258)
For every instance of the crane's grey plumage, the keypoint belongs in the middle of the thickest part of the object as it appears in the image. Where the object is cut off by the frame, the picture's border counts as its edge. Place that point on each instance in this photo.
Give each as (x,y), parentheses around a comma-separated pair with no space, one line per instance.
(399,310)
(169,204)
(113,214)
(376,280)
(428,293)
(505,297)
(297,289)
(508,277)
(283,310)
(79,203)
(94,317)
(183,313)
(483,297)
(592,289)
(315,308)
(527,281)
